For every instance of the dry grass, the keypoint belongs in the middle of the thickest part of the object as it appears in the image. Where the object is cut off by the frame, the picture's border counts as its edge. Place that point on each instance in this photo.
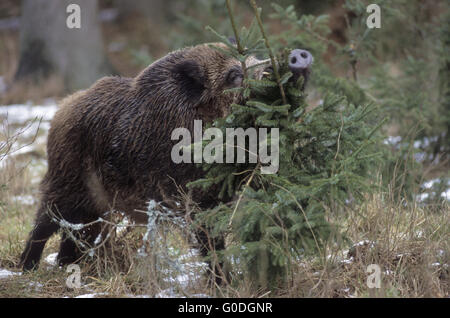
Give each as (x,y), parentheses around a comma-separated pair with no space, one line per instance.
(28,90)
(409,242)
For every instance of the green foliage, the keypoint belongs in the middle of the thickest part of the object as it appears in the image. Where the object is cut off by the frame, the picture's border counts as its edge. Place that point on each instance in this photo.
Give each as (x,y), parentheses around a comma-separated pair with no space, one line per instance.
(329,144)
(314,30)
(325,156)
(403,66)
(406,67)
(409,66)
(3,188)
(191,20)
(141,57)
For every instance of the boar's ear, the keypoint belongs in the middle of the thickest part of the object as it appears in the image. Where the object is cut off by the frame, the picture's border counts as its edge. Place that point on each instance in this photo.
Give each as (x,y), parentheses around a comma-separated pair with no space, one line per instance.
(190,79)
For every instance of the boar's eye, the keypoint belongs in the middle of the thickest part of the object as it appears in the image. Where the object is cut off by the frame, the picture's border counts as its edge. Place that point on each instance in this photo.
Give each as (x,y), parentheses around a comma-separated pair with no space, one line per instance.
(234,77)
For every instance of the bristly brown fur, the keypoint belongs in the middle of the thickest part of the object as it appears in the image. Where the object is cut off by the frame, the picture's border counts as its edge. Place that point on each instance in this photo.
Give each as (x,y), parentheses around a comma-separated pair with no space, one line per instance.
(109,146)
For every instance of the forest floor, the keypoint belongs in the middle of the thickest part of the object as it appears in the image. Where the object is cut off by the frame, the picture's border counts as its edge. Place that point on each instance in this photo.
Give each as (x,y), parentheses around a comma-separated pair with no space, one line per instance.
(409,241)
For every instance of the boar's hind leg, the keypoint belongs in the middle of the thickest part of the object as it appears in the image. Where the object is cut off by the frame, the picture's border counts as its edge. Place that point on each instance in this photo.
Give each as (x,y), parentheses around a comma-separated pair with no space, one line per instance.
(71,251)
(43,229)
(208,245)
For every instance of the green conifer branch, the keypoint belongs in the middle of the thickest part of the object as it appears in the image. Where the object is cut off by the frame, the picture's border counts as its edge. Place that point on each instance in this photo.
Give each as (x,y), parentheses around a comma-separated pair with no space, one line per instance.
(271,55)
(240,48)
(242,194)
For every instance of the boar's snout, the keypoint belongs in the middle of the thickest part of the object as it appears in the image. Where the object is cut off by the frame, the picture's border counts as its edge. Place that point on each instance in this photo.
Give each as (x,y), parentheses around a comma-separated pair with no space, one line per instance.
(299,63)
(300,60)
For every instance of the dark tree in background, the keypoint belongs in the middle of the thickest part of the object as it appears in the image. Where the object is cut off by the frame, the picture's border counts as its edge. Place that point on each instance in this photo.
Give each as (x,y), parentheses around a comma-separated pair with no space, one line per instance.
(48,46)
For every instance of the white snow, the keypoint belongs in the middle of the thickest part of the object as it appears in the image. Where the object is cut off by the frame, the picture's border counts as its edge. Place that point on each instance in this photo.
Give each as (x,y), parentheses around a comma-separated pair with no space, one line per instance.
(182,280)
(392,140)
(420,156)
(347,261)
(122,226)
(98,239)
(4,273)
(425,142)
(365,242)
(21,113)
(428,185)
(168,293)
(66,224)
(51,259)
(93,295)
(188,273)
(422,197)
(138,296)
(36,286)
(436,264)
(192,253)
(25,199)
(21,123)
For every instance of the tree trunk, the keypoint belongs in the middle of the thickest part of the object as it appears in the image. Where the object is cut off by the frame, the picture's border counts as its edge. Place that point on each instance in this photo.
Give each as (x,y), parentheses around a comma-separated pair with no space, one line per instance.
(48,46)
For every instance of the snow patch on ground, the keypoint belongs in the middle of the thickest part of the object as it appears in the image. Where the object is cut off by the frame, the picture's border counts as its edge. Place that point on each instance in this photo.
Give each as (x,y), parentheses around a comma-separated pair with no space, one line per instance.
(4,273)
(93,295)
(122,226)
(168,293)
(392,140)
(186,271)
(26,126)
(428,185)
(171,293)
(27,199)
(51,259)
(345,258)
(396,142)
(36,286)
(419,156)
(21,113)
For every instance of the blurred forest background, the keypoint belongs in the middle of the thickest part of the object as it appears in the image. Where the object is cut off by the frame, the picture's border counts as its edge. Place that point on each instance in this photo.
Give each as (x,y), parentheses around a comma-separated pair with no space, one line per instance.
(404,64)
(402,68)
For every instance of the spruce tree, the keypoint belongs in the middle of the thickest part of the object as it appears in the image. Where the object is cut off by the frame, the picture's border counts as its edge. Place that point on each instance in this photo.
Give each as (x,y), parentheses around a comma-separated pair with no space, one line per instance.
(325,154)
